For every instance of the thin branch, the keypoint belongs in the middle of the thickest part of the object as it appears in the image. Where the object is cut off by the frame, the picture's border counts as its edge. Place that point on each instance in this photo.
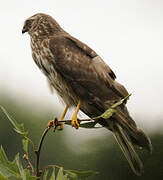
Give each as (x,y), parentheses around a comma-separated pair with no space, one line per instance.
(30,166)
(55,123)
(82,120)
(49,166)
(38,150)
(38,172)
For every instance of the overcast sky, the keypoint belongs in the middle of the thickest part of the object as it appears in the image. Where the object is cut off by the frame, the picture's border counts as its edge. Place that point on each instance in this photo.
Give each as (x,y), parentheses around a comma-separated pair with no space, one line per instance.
(127,34)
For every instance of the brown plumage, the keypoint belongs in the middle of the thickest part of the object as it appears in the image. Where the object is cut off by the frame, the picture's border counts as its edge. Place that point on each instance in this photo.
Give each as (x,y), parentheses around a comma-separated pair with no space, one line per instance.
(76,72)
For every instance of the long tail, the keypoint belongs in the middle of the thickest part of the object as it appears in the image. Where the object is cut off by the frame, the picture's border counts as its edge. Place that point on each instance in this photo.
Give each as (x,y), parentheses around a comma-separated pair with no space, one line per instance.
(128,149)
(126,133)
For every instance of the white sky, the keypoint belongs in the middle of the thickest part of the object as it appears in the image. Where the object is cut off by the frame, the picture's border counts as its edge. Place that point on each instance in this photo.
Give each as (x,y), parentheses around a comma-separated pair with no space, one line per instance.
(127,34)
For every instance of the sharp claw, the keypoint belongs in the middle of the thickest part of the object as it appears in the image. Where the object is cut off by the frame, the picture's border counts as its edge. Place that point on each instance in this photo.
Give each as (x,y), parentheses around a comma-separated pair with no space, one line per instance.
(50,123)
(75,123)
(55,123)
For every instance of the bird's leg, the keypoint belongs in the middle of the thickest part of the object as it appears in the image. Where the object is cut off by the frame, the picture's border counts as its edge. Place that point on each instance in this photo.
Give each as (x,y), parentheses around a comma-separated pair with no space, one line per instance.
(74,121)
(52,122)
(62,117)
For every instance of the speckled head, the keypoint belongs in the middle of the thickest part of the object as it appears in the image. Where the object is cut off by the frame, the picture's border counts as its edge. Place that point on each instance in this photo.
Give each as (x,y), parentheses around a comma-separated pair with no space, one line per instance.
(42,23)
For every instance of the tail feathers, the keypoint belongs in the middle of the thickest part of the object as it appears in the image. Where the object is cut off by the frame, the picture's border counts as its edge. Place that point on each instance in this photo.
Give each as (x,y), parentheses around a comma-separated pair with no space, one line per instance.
(141,139)
(137,136)
(128,149)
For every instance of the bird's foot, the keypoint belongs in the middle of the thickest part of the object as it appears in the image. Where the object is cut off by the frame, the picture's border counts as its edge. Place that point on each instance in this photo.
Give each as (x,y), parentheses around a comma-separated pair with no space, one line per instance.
(75,122)
(51,123)
(55,123)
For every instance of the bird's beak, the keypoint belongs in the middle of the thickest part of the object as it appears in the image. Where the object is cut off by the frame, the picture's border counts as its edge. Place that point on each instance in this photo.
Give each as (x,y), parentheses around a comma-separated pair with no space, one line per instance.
(24,29)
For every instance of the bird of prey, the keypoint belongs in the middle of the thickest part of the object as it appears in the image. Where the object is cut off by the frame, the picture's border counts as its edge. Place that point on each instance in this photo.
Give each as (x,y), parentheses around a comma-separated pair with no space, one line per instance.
(83,80)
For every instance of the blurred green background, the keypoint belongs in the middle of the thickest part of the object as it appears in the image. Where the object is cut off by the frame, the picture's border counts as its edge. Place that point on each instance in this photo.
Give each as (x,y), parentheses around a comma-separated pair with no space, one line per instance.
(93,149)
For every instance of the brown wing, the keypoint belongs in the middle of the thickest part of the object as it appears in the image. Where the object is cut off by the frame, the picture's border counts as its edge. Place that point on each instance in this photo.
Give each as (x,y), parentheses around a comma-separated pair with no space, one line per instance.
(81,66)
(89,76)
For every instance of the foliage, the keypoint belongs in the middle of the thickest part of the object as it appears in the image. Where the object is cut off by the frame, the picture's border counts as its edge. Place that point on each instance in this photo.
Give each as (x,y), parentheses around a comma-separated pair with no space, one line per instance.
(15,168)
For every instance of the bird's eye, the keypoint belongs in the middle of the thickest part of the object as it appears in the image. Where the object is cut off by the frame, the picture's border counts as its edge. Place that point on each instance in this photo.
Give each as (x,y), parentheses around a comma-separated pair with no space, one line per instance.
(29,23)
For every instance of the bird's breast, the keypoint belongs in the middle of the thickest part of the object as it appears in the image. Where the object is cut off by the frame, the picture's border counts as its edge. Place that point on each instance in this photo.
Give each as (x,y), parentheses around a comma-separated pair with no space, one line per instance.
(45,60)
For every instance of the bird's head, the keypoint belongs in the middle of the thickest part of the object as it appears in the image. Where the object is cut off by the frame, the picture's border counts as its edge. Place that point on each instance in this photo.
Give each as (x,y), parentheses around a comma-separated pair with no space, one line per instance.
(31,23)
(41,23)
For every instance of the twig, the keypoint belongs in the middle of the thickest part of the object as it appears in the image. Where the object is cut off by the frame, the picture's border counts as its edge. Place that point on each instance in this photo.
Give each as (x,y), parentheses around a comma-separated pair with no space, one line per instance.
(82,120)
(30,166)
(38,172)
(49,166)
(38,150)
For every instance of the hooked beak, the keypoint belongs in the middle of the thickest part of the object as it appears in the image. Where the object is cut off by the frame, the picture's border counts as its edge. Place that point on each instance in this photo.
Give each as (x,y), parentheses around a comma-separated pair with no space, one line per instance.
(24,30)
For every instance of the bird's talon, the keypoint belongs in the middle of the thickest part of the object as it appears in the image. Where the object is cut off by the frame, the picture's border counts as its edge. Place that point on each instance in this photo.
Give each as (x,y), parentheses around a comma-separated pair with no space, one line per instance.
(55,123)
(50,123)
(75,123)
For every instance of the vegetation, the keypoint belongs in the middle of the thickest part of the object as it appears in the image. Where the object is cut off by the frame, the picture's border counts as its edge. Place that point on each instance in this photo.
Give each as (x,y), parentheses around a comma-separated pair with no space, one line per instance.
(98,153)
(15,168)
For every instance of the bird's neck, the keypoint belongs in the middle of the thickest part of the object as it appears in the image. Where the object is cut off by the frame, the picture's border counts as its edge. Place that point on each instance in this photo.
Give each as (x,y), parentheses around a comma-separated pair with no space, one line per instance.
(45,30)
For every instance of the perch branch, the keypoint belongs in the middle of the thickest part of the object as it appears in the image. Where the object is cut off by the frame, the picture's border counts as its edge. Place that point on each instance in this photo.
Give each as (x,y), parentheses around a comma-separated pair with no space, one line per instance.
(38,150)
(82,120)
(38,172)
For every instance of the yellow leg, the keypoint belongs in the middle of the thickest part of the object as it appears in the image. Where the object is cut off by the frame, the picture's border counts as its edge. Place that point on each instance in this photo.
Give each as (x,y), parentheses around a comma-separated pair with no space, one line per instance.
(62,117)
(74,121)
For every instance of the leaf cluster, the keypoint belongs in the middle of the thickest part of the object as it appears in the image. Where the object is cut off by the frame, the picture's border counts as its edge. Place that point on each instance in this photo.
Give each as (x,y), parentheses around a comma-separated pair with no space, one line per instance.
(9,169)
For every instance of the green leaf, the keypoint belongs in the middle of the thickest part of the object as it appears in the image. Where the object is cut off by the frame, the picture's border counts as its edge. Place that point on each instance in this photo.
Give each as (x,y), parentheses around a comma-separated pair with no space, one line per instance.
(71,175)
(53,174)
(45,175)
(19,128)
(25,145)
(3,177)
(89,125)
(80,174)
(121,101)
(7,168)
(13,169)
(3,157)
(109,112)
(61,176)
(21,170)
(28,175)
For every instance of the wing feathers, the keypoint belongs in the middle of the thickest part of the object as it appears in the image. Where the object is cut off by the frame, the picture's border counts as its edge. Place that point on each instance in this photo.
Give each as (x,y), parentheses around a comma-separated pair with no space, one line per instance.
(87,50)
(79,63)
